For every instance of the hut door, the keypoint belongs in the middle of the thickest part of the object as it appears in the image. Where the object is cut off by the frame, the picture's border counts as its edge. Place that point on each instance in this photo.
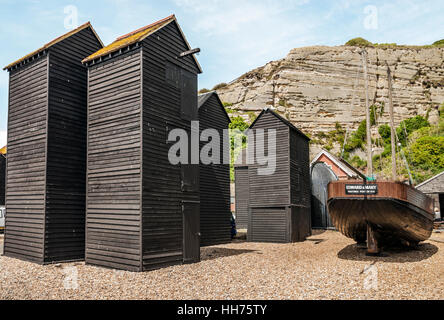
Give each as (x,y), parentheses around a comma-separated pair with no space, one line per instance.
(191,232)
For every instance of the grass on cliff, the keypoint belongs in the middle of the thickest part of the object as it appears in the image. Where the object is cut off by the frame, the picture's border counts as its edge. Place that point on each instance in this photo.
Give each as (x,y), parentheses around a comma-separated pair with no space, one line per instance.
(361,42)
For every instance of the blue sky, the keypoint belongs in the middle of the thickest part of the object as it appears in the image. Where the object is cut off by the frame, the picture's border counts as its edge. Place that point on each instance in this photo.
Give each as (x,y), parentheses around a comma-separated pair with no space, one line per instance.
(235,35)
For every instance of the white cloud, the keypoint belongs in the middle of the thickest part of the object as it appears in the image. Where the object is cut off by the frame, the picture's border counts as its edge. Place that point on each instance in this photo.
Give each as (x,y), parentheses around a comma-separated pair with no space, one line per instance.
(3,138)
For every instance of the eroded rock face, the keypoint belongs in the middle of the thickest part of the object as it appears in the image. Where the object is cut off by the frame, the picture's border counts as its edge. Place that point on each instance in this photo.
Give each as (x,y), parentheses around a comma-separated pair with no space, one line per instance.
(316,87)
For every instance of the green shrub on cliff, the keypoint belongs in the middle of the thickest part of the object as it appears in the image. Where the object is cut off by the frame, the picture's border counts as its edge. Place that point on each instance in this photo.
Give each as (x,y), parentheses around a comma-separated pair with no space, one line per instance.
(359,42)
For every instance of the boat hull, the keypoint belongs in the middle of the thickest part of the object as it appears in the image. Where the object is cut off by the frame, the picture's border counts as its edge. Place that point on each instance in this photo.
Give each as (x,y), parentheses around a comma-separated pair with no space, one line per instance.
(397,213)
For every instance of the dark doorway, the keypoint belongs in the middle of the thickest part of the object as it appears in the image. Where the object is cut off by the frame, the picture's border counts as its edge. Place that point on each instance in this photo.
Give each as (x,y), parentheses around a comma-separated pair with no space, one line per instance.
(321,176)
(191,232)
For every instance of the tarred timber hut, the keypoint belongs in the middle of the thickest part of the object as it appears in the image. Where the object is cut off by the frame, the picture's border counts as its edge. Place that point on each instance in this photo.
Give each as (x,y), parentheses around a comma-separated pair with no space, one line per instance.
(279,204)
(142,211)
(215,211)
(45,188)
(2,178)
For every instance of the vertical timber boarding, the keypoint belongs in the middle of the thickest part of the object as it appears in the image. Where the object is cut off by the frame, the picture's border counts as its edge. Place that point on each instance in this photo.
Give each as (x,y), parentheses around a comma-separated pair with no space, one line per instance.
(46,151)
(137,199)
(215,193)
(279,204)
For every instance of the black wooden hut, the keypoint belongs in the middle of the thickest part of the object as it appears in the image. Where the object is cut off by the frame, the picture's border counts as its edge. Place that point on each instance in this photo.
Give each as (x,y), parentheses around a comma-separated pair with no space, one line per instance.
(2,179)
(242,190)
(215,193)
(45,188)
(280,204)
(142,210)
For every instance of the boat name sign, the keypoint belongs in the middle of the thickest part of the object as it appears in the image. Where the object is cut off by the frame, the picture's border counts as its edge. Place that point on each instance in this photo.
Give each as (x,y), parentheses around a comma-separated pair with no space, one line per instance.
(360,189)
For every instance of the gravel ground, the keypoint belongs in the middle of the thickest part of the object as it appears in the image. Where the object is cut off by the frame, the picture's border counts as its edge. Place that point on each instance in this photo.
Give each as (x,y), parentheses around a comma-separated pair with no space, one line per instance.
(328,266)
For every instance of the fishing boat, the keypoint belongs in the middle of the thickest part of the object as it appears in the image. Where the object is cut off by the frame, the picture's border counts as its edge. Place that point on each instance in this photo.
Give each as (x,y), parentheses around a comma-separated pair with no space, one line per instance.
(380,214)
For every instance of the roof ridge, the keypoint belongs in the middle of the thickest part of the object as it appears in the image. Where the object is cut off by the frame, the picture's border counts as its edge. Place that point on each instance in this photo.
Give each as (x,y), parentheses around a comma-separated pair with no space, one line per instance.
(55,41)
(146,27)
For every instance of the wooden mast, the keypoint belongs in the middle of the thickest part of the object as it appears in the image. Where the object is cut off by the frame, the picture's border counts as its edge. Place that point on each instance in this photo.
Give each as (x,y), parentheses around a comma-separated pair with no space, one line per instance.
(392,124)
(367,109)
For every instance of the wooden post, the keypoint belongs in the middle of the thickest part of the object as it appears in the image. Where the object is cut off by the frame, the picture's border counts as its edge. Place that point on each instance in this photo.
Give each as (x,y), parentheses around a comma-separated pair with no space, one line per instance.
(372,243)
(367,107)
(392,124)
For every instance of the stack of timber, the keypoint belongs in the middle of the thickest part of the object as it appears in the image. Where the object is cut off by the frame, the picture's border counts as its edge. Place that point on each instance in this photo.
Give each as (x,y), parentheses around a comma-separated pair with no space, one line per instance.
(142,210)
(45,187)
(215,211)
(280,203)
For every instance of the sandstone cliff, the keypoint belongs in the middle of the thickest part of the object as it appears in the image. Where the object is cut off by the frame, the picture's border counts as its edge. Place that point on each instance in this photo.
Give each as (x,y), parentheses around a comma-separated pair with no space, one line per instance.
(316,87)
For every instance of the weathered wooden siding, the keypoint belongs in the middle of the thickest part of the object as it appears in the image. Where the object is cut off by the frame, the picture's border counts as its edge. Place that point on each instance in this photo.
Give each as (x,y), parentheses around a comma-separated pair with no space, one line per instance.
(279,204)
(26,165)
(165,196)
(271,190)
(215,211)
(269,225)
(300,186)
(113,235)
(66,162)
(2,179)
(242,196)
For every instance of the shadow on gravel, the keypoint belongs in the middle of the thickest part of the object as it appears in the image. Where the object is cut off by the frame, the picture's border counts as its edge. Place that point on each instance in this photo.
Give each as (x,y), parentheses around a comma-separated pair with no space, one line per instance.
(217,253)
(391,255)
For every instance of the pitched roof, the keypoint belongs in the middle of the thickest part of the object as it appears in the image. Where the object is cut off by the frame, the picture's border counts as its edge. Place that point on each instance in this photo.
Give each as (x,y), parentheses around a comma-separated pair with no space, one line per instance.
(53,42)
(202,98)
(430,180)
(137,36)
(341,163)
(288,123)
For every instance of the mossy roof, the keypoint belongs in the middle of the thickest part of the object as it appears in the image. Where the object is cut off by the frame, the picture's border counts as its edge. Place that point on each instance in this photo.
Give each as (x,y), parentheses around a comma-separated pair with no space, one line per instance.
(135,37)
(3,150)
(53,42)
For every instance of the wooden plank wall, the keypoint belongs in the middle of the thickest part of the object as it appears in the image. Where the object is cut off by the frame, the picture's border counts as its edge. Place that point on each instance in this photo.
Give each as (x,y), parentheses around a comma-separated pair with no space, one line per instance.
(66,163)
(113,235)
(26,165)
(2,179)
(162,182)
(215,211)
(242,197)
(280,204)
(272,190)
(300,186)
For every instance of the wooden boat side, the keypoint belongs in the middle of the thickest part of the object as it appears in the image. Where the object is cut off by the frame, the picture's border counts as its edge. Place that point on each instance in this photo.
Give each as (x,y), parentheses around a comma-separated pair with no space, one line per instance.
(397,212)
(386,190)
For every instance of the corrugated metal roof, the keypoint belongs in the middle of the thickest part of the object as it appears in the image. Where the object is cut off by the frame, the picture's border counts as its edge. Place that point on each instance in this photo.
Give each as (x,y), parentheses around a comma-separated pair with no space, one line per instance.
(137,36)
(53,42)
